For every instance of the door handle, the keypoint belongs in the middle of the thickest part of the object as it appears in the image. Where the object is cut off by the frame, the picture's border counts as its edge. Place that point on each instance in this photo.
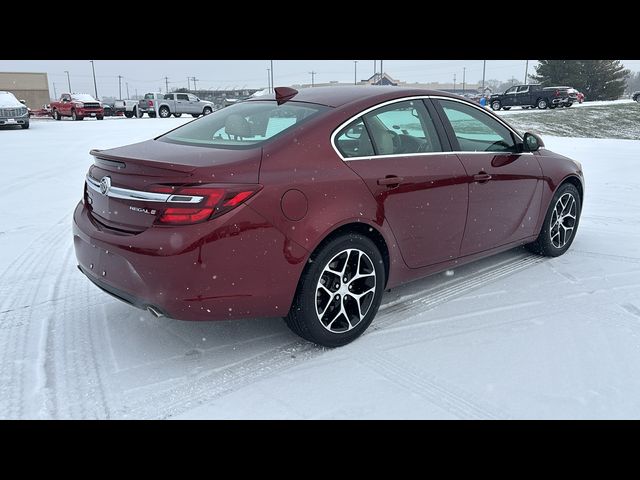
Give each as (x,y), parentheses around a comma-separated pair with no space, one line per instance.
(482,177)
(390,181)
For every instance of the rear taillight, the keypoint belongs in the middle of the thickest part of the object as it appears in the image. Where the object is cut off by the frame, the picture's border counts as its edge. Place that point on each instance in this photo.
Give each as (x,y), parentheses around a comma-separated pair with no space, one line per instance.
(151,103)
(182,208)
(557,94)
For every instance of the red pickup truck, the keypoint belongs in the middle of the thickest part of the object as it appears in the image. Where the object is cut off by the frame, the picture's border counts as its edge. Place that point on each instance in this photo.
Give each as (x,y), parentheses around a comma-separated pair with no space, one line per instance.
(77,106)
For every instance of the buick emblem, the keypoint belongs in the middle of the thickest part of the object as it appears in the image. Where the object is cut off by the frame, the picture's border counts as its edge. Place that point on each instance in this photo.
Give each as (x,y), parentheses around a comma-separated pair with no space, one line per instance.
(105,185)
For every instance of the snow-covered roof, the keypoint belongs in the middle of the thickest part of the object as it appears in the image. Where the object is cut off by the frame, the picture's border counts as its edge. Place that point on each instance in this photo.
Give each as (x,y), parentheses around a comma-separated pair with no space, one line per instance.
(8,100)
(83,97)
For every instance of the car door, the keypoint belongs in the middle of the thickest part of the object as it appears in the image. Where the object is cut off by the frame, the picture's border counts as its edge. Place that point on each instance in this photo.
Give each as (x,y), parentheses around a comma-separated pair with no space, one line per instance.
(65,105)
(504,184)
(401,154)
(182,103)
(195,105)
(510,97)
(523,96)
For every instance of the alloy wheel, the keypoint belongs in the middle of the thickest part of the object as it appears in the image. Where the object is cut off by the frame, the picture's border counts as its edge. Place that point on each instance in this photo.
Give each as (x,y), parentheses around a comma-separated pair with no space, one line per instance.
(345,290)
(563,220)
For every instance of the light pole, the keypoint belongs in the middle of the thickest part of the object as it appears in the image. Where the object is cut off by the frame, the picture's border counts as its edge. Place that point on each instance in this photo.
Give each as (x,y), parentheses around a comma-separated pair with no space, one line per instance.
(127,89)
(166,82)
(95,85)
(188,83)
(381,72)
(464,78)
(313,75)
(269,79)
(355,72)
(68,80)
(526,69)
(484,67)
(454,83)
(273,87)
(55,94)
(119,87)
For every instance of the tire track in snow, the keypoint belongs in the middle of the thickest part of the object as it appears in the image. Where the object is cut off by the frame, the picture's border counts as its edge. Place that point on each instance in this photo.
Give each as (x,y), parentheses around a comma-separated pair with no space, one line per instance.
(452,399)
(21,284)
(191,393)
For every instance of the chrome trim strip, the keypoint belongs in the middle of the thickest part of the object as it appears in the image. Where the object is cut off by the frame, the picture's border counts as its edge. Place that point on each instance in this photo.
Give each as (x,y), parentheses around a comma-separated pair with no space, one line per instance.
(419,97)
(127,194)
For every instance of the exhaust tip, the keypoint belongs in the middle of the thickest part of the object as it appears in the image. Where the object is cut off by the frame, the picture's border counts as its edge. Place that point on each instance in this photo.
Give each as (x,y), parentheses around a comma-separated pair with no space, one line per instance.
(155,312)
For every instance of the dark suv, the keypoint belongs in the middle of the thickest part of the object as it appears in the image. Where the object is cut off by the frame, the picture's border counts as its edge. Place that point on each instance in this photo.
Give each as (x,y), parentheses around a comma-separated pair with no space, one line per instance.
(531,96)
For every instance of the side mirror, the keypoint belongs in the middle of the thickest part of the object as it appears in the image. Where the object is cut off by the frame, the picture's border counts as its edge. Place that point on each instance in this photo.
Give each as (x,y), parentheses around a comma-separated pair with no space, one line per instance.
(532,142)
(23,102)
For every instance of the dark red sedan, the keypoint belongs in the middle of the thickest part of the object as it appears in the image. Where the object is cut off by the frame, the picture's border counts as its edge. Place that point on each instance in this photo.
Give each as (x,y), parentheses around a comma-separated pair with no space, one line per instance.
(308,205)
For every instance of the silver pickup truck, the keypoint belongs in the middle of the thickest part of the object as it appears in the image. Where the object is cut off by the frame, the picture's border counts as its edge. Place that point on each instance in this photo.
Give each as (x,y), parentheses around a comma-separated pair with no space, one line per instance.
(178,103)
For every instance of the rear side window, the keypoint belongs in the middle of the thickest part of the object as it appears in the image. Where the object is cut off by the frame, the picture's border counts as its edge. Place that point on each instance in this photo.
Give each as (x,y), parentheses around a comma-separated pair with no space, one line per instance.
(353,140)
(475,130)
(243,125)
(148,96)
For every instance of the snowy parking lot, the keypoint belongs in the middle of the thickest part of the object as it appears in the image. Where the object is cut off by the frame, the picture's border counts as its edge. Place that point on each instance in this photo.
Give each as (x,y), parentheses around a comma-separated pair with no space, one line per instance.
(511,336)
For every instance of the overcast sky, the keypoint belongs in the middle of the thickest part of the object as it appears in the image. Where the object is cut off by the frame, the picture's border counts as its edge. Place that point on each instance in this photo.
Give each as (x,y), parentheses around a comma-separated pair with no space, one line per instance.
(148,75)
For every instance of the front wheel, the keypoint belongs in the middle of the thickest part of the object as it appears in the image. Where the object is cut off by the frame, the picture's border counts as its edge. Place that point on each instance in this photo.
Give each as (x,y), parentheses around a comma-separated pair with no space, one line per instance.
(195,115)
(507,108)
(206,110)
(177,115)
(339,292)
(542,104)
(128,114)
(56,115)
(496,105)
(100,117)
(560,223)
(164,112)
(25,126)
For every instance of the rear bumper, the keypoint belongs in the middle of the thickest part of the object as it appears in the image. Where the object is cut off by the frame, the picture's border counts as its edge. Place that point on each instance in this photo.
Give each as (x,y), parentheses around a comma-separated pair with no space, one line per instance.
(235,266)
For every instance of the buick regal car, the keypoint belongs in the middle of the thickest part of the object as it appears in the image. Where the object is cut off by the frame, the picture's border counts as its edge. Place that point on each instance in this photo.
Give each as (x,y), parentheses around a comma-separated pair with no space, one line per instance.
(308,205)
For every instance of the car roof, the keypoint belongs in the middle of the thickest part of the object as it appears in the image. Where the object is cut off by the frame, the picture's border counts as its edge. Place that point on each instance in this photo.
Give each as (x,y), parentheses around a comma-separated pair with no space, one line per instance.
(343,95)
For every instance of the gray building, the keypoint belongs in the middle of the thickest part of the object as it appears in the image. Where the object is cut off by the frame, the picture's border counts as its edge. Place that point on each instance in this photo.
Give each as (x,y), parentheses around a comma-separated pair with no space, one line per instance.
(31,87)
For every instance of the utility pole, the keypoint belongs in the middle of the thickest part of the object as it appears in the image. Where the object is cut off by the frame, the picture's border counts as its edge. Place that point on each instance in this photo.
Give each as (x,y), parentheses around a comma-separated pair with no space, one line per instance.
(136,94)
(454,83)
(68,80)
(119,87)
(55,94)
(269,79)
(188,84)
(375,67)
(526,69)
(194,83)
(95,85)
(313,74)
(166,82)
(355,72)
(273,87)
(381,72)
(127,89)
(484,67)
(464,78)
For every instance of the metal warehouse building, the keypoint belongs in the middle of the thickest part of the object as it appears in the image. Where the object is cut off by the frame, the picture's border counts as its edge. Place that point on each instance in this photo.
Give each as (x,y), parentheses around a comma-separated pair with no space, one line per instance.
(28,86)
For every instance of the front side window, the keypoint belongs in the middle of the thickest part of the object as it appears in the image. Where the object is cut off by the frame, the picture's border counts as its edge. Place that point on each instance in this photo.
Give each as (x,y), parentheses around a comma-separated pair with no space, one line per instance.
(475,130)
(523,89)
(511,90)
(183,96)
(243,125)
(193,98)
(353,140)
(402,128)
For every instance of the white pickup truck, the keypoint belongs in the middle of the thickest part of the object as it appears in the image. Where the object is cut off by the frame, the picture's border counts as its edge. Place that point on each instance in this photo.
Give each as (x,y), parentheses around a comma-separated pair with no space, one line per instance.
(178,103)
(128,107)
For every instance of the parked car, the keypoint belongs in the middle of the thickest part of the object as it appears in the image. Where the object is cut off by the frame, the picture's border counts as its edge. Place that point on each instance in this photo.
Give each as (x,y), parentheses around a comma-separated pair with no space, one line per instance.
(12,111)
(129,108)
(108,110)
(310,204)
(635,96)
(77,106)
(532,96)
(178,103)
(576,96)
(149,103)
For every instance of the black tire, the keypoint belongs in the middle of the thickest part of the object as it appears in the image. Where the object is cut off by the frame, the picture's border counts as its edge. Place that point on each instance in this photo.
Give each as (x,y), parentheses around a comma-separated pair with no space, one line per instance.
(552,106)
(164,112)
(303,320)
(135,113)
(542,103)
(544,244)
(206,110)
(525,107)
(99,118)
(496,105)
(507,108)
(73,115)
(128,114)
(568,105)
(195,115)
(151,114)
(25,126)
(56,115)
(177,115)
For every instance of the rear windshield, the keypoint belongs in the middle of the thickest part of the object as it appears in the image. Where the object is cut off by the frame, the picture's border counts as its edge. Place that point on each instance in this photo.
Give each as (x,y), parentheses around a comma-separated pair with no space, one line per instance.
(243,125)
(149,96)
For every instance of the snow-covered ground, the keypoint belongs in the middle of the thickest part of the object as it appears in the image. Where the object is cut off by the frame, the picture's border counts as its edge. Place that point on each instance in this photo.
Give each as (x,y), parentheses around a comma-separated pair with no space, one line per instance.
(512,336)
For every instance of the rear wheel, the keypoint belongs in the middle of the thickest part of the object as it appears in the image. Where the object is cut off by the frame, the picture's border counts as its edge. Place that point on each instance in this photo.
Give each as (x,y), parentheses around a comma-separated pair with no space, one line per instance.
(195,115)
(100,117)
(526,107)
(560,223)
(542,103)
(552,106)
(568,105)
(507,108)
(339,292)
(56,115)
(164,112)
(128,114)
(177,115)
